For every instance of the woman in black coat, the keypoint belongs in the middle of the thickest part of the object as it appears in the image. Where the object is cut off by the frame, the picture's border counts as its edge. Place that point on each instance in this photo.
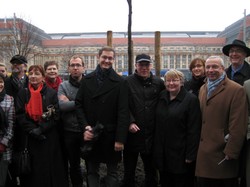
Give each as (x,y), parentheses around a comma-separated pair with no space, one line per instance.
(178,124)
(37,113)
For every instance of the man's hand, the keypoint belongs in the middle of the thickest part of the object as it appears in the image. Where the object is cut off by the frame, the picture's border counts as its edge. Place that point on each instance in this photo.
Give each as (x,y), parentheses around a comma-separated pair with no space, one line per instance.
(88,134)
(119,146)
(63,98)
(133,128)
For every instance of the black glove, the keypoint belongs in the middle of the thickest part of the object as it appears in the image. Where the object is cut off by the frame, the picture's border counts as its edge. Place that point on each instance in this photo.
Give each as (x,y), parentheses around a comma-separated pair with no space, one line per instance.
(37,134)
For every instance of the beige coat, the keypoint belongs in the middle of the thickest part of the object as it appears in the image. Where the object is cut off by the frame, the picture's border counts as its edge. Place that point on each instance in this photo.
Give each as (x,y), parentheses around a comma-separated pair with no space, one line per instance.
(225,112)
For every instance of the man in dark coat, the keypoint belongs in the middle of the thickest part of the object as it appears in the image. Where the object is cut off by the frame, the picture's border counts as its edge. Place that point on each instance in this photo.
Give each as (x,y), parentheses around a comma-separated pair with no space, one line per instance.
(239,71)
(18,78)
(102,100)
(144,89)
(13,85)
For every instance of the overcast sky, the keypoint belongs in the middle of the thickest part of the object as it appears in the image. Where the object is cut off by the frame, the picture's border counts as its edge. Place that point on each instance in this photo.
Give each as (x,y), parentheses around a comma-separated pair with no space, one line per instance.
(60,16)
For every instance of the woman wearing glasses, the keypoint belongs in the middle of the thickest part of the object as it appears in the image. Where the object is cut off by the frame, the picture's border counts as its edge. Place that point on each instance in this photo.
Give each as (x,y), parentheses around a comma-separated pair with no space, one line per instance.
(178,124)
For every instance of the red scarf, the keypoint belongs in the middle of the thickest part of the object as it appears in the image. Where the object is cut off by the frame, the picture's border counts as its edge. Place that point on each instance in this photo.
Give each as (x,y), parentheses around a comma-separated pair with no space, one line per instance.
(35,105)
(53,85)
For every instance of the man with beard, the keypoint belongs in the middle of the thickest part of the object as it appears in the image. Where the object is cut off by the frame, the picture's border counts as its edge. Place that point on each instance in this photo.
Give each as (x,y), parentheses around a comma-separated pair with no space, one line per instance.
(18,78)
(13,84)
(72,131)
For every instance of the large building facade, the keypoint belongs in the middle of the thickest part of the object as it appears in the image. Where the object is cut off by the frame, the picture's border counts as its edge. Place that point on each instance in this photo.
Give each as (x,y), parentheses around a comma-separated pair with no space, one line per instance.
(177,48)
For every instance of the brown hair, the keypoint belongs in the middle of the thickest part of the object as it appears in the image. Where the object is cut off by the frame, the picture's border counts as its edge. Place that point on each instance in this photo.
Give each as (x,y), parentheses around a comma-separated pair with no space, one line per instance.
(75,57)
(37,68)
(106,48)
(194,61)
(50,63)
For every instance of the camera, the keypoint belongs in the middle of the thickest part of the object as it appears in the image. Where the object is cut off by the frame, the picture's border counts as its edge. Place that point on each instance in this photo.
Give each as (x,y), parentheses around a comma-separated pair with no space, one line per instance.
(51,111)
(88,145)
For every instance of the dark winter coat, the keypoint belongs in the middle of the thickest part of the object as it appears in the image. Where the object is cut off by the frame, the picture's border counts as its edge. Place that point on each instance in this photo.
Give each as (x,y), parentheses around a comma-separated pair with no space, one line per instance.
(225,112)
(12,85)
(193,85)
(143,97)
(241,76)
(47,164)
(108,105)
(178,125)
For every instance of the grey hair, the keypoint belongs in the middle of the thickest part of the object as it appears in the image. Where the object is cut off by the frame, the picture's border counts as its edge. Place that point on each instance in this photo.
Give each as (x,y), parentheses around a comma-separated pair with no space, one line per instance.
(217,57)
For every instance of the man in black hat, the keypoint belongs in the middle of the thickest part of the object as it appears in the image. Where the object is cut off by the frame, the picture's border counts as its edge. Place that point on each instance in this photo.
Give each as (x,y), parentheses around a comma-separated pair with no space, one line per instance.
(13,84)
(239,70)
(18,78)
(144,89)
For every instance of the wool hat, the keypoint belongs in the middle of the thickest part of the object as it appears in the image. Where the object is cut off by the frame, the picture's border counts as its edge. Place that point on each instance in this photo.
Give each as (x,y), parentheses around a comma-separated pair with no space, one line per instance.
(236,43)
(143,58)
(18,59)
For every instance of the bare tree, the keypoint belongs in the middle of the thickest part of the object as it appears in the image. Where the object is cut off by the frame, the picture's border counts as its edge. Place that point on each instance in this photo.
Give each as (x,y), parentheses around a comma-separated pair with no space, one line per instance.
(19,37)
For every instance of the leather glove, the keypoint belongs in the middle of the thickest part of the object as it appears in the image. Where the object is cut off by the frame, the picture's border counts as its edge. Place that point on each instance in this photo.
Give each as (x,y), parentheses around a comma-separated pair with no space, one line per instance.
(37,134)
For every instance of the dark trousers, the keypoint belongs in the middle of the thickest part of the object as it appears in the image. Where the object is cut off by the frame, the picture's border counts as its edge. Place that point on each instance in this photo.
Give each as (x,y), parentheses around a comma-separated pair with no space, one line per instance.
(130,159)
(173,180)
(73,142)
(207,182)
(93,177)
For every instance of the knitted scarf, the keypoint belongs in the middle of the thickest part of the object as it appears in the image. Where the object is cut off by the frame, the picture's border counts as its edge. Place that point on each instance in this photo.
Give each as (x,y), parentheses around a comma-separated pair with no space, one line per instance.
(53,85)
(211,85)
(34,108)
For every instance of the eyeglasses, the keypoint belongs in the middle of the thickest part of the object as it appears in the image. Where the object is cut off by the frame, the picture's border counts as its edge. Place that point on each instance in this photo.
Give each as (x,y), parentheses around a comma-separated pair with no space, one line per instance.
(236,51)
(109,58)
(75,65)
(172,80)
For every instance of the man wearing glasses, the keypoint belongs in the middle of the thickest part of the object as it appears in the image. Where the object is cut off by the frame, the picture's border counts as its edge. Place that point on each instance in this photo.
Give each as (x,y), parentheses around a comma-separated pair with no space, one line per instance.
(144,89)
(72,131)
(102,100)
(239,71)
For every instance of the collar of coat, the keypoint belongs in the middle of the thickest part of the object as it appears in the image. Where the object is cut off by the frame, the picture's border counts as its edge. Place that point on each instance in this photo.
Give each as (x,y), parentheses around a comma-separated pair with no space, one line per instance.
(180,96)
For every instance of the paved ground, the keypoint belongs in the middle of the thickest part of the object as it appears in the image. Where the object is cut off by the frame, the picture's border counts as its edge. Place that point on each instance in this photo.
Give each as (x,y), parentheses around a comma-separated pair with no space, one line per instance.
(139,173)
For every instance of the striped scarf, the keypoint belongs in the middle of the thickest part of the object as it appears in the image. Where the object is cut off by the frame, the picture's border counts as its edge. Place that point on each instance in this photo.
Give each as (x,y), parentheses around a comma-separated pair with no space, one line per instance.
(211,85)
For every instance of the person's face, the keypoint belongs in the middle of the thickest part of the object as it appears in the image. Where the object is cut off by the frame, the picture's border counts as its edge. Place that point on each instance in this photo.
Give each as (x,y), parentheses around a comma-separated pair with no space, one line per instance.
(35,78)
(173,84)
(3,71)
(17,68)
(143,69)
(214,69)
(76,68)
(51,72)
(1,84)
(237,56)
(198,70)
(106,59)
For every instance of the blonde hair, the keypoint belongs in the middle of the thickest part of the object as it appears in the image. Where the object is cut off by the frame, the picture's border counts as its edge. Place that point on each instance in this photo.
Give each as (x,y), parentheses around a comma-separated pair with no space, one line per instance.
(174,74)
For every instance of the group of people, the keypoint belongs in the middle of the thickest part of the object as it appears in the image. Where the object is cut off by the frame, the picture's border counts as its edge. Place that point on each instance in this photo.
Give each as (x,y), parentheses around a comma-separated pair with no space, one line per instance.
(187,133)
